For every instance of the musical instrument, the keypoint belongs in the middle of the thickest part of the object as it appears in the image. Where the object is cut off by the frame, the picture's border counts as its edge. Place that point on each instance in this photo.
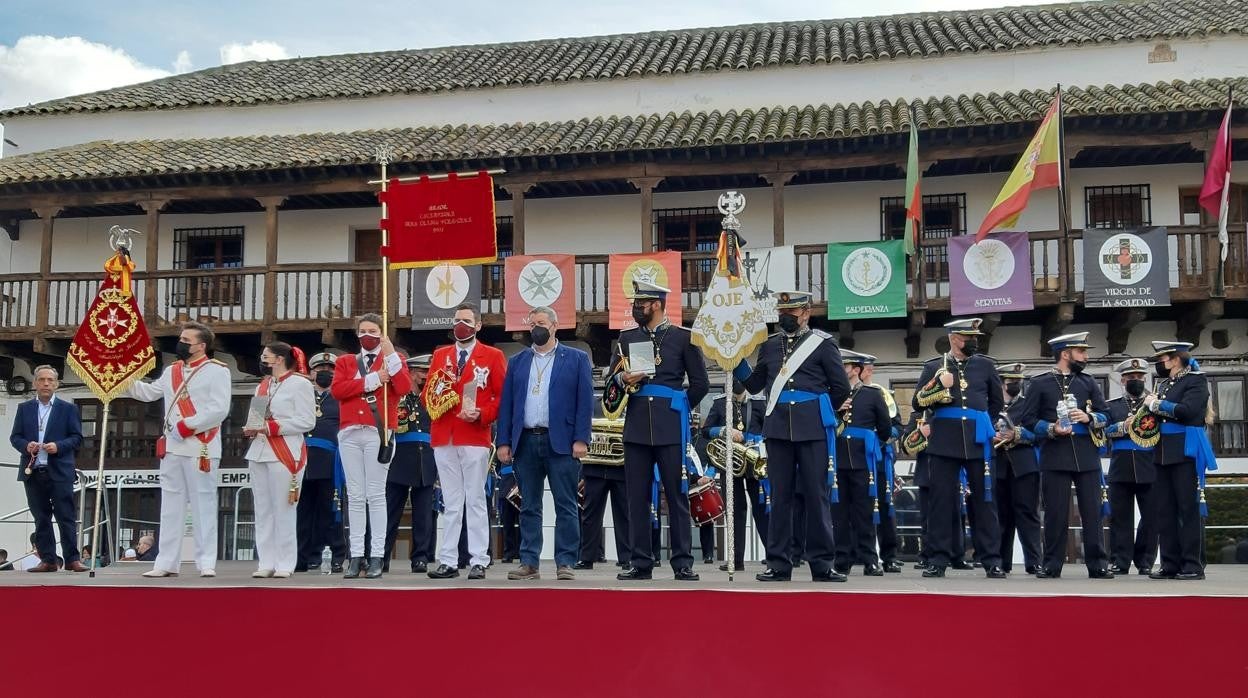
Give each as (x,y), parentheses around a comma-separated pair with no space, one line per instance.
(746,458)
(934,391)
(606,442)
(706,504)
(513,497)
(847,416)
(914,442)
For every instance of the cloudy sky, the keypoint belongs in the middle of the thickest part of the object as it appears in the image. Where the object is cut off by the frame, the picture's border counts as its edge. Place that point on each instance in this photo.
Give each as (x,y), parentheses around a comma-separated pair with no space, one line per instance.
(55,48)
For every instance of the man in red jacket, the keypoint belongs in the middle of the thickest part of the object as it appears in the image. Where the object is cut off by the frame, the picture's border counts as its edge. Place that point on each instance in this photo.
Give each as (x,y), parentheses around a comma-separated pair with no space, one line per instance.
(461,395)
(367,386)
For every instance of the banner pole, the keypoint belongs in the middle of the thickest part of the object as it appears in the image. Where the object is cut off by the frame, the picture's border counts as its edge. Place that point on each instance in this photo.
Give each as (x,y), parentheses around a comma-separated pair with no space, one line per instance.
(384,154)
(729,546)
(99,488)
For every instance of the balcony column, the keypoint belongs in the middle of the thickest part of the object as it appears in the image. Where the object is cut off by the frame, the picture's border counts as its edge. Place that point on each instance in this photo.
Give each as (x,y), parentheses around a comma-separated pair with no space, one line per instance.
(517,191)
(777,180)
(270,204)
(48,217)
(151,286)
(646,186)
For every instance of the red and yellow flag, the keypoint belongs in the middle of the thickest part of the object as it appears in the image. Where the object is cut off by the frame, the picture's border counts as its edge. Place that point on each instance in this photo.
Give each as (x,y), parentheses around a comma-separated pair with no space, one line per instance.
(1038,168)
(111,348)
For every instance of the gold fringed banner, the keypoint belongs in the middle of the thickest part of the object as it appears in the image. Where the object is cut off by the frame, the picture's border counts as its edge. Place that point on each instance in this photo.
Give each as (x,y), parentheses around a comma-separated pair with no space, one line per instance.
(111,348)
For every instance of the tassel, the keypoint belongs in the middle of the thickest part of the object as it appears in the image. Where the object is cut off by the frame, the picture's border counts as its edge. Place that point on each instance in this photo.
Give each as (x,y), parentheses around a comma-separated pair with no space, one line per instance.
(205,465)
(654,498)
(1204,506)
(872,491)
(875,512)
(988,480)
(1104,496)
(684,481)
(835,494)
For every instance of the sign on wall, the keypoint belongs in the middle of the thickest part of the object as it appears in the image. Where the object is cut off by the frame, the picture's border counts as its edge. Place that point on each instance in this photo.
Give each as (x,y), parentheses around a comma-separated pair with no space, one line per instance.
(866,279)
(1125,268)
(993,275)
(660,268)
(436,291)
(539,280)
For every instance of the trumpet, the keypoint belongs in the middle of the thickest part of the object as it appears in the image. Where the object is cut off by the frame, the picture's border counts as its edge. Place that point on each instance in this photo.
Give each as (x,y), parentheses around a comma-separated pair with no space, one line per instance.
(606,442)
(746,458)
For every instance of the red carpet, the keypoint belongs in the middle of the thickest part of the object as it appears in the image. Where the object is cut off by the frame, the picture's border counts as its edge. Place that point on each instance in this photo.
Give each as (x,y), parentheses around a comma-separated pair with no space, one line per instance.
(542,642)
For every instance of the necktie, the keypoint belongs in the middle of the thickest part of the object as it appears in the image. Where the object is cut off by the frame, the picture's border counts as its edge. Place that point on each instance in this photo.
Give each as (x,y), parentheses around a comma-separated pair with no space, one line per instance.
(463,358)
(368,361)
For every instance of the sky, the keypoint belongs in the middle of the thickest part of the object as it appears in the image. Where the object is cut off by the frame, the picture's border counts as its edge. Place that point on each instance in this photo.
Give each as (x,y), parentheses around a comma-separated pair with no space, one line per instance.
(57,48)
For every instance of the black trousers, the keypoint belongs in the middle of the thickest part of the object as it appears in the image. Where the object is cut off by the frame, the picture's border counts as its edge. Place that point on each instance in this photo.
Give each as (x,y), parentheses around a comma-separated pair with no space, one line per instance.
(1018,506)
(797,540)
(1056,484)
(597,489)
(886,529)
(508,517)
(746,492)
(47,498)
(1178,517)
(852,531)
(706,541)
(925,545)
(1127,544)
(944,522)
(315,526)
(397,497)
(639,462)
(790,465)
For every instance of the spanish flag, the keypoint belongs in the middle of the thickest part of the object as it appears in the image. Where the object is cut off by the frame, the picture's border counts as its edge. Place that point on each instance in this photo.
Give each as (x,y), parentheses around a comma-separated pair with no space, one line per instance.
(1038,168)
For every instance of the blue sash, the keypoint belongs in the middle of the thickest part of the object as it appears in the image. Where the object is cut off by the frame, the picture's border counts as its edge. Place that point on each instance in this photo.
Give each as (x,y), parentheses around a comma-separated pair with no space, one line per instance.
(679,402)
(890,458)
(1126,444)
(828,417)
(871,446)
(1197,447)
(408,437)
(340,476)
(984,431)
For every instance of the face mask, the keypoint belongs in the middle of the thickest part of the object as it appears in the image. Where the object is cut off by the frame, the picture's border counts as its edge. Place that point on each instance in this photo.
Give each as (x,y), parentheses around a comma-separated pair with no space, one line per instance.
(539,336)
(1077,366)
(463,332)
(324,379)
(788,324)
(369,342)
(640,316)
(1013,389)
(970,347)
(266,369)
(1135,387)
(182,351)
(1160,368)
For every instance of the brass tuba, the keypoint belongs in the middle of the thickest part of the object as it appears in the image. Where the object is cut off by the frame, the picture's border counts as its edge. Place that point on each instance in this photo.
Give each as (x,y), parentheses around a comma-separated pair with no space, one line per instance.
(746,458)
(606,442)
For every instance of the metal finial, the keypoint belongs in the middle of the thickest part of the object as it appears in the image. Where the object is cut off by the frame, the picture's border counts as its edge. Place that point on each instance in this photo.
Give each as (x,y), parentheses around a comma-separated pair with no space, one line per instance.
(730,204)
(384,153)
(119,237)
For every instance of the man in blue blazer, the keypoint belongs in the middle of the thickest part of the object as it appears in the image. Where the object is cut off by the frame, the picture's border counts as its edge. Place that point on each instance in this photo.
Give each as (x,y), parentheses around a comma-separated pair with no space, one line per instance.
(48,432)
(544,418)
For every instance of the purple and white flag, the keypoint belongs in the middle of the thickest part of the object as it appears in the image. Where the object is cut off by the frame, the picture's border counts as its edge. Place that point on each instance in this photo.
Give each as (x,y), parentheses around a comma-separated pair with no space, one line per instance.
(992,276)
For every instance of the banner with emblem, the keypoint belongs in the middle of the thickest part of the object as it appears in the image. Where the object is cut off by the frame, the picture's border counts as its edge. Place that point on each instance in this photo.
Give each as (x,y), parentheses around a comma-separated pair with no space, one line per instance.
(112,349)
(432,221)
(769,269)
(866,279)
(536,280)
(990,276)
(660,268)
(1125,268)
(437,290)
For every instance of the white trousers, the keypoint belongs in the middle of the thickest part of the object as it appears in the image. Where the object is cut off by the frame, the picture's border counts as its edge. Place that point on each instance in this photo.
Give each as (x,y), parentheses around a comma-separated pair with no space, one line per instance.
(275,515)
(461,471)
(181,481)
(366,488)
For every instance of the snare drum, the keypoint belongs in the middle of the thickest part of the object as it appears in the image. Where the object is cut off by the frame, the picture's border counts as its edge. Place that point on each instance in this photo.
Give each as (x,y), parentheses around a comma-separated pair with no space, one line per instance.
(513,497)
(706,504)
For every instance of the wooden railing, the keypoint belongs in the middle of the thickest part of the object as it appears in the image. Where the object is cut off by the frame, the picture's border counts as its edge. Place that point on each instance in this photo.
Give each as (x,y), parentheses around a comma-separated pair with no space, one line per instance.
(314,294)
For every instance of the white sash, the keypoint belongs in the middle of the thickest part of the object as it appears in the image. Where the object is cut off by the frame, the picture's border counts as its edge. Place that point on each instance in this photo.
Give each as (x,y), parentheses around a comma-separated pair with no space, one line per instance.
(795,360)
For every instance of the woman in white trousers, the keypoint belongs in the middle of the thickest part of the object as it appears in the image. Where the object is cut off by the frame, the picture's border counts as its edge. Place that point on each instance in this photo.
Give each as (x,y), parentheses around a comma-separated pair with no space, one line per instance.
(277,455)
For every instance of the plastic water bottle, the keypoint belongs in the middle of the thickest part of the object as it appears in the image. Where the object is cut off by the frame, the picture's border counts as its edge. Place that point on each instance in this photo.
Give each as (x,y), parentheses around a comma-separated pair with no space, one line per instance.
(327,560)
(1064,407)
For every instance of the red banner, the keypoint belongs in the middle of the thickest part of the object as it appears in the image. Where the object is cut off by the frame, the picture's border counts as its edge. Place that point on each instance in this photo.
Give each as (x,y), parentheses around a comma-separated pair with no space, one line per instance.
(661,268)
(537,280)
(111,349)
(431,221)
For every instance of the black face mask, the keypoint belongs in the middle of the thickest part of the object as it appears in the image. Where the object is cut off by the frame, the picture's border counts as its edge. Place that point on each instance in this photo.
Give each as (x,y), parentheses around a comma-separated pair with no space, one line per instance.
(1077,367)
(1013,388)
(970,347)
(182,351)
(266,369)
(1162,371)
(1135,387)
(640,316)
(324,379)
(539,336)
(788,324)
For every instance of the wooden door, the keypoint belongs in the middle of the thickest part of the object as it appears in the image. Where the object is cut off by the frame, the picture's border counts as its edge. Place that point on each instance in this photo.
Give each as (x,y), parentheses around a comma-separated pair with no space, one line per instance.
(366,284)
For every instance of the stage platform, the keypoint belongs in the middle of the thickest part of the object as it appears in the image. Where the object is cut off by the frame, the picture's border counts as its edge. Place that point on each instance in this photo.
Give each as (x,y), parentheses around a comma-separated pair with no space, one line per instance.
(897,635)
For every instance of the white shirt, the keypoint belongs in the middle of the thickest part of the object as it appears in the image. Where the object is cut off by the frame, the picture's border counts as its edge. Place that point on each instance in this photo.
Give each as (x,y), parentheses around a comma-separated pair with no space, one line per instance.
(208,390)
(292,404)
(372,381)
(45,413)
(537,395)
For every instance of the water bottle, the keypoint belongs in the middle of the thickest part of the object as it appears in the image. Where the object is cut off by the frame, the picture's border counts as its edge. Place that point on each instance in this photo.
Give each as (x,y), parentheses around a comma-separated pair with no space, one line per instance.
(327,560)
(1064,407)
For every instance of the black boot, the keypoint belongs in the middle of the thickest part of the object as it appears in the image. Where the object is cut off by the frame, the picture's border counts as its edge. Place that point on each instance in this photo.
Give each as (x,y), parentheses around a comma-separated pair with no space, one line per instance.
(374,568)
(353,568)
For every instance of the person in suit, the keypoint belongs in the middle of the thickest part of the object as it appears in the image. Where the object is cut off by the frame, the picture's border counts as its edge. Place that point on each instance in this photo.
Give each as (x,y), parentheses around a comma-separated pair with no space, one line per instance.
(1017,486)
(801,370)
(1069,453)
(867,425)
(196,394)
(963,389)
(48,433)
(543,426)
(747,491)
(1131,477)
(656,429)
(462,395)
(319,512)
(412,474)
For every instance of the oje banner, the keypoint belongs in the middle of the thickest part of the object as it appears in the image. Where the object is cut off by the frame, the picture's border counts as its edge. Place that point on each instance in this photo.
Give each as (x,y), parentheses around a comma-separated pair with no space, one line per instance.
(866,279)
(1124,269)
(993,275)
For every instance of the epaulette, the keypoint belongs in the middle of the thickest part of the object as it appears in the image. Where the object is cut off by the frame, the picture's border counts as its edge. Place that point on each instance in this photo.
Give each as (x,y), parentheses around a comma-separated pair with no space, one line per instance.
(934,358)
(820,333)
(873,385)
(217,362)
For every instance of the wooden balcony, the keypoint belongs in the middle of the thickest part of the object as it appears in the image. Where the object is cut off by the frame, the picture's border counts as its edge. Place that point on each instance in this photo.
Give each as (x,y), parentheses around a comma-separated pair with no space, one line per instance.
(323,297)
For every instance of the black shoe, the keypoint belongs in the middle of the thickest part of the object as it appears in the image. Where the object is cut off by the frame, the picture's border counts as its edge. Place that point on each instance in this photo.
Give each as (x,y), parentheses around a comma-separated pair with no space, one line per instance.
(443,572)
(995,572)
(1031,569)
(738,567)
(420,567)
(336,568)
(353,568)
(1163,574)
(920,565)
(708,560)
(962,565)
(684,574)
(830,576)
(770,575)
(893,567)
(582,565)
(374,568)
(463,565)
(632,574)
(1144,570)
(601,559)
(872,571)
(385,567)
(1046,573)
(1190,576)
(299,569)
(1117,569)
(932,571)
(507,560)
(477,572)
(842,569)
(1100,574)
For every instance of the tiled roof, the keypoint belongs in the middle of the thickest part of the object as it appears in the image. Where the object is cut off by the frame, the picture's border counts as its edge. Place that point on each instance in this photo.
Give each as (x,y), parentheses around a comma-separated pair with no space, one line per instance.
(745,47)
(107,159)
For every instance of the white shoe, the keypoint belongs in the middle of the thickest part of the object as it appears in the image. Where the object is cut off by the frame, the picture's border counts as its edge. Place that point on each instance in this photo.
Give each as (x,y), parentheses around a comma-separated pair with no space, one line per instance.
(208,572)
(260,574)
(281,574)
(157,573)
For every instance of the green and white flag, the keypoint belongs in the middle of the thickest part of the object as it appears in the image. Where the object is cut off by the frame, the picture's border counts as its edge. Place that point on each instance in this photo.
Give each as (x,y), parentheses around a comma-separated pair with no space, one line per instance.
(866,279)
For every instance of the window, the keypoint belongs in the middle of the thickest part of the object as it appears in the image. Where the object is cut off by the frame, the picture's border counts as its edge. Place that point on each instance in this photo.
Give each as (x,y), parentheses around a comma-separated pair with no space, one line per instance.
(505,239)
(689,230)
(944,215)
(1230,404)
(208,249)
(1193,214)
(1118,207)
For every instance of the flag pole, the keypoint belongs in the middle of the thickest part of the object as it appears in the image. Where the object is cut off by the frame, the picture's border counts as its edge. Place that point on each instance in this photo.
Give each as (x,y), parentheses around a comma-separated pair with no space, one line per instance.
(384,154)
(1063,201)
(99,486)
(729,542)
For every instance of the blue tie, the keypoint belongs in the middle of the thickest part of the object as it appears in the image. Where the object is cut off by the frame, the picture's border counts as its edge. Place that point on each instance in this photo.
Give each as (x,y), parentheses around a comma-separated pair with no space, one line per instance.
(463,358)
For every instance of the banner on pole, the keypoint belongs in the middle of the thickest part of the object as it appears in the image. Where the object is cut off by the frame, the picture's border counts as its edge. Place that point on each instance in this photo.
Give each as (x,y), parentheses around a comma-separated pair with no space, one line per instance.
(769,269)
(539,280)
(1123,269)
(437,290)
(866,279)
(661,268)
(444,220)
(111,348)
(993,275)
